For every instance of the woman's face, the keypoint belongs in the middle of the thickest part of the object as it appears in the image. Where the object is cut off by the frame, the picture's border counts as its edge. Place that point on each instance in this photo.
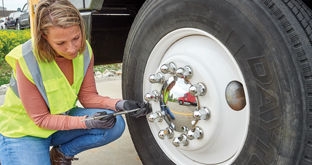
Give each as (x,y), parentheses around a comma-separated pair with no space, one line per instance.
(65,41)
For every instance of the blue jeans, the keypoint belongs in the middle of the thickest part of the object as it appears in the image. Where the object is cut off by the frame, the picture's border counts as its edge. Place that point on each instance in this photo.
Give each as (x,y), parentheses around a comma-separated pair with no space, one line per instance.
(35,151)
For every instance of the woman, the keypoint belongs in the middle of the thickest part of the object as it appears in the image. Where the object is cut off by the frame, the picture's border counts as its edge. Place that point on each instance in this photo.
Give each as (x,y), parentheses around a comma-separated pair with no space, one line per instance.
(50,73)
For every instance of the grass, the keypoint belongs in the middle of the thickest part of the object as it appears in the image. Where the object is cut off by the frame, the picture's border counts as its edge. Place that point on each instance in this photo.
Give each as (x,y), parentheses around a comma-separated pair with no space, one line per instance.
(9,39)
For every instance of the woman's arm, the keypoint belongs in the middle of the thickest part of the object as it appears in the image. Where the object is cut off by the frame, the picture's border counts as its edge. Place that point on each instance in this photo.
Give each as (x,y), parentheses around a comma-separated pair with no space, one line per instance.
(88,95)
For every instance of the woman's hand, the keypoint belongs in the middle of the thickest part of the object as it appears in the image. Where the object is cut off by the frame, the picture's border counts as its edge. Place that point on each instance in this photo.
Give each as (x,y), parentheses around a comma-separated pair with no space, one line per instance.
(125,105)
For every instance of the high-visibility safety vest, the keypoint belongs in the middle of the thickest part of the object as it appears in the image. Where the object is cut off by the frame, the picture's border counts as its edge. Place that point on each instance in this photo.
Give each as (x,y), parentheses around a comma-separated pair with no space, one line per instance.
(52,84)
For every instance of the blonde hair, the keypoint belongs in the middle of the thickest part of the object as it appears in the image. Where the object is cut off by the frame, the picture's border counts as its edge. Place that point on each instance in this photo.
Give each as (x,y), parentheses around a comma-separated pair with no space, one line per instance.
(50,13)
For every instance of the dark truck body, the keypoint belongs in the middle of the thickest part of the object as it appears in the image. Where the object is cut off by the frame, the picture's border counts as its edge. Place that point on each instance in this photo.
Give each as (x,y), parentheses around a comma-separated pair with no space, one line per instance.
(108,26)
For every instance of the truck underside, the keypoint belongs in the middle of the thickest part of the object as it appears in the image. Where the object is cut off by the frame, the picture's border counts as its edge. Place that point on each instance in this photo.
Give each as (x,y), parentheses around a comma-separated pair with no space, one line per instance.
(108,28)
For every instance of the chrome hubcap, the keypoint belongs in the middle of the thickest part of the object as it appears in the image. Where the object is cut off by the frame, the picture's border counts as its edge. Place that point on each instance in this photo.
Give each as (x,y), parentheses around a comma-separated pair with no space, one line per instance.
(199,99)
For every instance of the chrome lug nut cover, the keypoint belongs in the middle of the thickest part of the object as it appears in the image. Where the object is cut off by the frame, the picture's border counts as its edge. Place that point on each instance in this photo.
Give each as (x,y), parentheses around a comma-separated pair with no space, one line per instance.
(167,132)
(198,89)
(154,96)
(155,115)
(181,140)
(168,68)
(161,134)
(185,72)
(198,133)
(157,78)
(202,114)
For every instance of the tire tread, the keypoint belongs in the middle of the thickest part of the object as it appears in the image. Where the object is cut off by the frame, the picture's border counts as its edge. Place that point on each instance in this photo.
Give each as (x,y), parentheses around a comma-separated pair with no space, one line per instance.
(304,16)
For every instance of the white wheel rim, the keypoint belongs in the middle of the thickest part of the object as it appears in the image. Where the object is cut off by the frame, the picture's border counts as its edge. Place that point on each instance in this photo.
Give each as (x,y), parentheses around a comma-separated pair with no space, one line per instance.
(226,130)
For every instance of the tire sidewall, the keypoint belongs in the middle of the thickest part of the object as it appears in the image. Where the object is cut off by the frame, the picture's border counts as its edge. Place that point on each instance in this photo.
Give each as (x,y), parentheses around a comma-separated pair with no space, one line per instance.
(259,48)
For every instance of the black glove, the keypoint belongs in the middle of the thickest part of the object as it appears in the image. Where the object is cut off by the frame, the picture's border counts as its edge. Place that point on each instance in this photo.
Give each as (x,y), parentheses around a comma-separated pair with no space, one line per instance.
(124,105)
(105,122)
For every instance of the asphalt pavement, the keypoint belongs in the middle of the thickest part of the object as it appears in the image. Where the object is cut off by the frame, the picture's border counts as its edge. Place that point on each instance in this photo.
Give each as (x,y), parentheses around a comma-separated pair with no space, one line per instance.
(121,151)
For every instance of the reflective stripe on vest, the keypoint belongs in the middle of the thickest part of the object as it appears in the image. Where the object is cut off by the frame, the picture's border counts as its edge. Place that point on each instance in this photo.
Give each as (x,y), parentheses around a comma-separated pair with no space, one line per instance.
(33,67)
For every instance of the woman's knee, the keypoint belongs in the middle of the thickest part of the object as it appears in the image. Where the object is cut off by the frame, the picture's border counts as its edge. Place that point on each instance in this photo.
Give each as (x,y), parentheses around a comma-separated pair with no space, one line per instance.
(119,126)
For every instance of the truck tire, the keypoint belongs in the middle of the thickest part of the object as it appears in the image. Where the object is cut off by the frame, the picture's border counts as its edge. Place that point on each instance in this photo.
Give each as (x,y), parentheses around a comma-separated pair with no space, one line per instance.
(249,64)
